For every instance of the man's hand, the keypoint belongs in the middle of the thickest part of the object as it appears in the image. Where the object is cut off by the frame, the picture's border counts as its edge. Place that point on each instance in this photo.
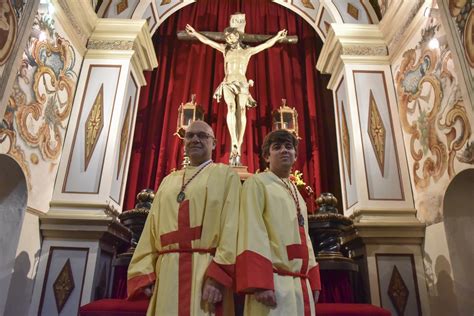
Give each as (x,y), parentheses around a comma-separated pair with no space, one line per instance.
(266,297)
(212,291)
(316,296)
(190,30)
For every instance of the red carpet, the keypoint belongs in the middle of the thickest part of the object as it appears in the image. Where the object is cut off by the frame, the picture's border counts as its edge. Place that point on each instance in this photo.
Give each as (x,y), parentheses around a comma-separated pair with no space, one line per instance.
(111,307)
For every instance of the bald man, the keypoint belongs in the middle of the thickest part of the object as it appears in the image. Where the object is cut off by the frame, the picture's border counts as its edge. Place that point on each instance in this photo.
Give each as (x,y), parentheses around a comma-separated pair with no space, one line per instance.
(185,257)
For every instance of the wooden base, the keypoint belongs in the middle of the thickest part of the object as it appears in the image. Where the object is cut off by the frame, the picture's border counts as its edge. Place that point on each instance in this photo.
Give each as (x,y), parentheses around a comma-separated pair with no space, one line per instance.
(242,171)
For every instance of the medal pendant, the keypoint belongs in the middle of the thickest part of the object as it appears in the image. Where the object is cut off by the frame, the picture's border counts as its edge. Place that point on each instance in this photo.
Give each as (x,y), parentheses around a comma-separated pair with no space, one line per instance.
(180,197)
(300,220)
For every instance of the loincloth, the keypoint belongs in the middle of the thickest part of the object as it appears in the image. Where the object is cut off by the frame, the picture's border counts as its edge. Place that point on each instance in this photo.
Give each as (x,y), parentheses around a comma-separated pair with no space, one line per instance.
(236,87)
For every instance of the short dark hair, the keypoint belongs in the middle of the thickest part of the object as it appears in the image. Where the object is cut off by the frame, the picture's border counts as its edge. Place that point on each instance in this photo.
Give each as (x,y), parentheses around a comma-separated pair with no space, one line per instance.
(279,136)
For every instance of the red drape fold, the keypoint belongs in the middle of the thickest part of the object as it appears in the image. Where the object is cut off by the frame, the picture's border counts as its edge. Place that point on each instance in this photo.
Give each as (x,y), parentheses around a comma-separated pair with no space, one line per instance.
(281,72)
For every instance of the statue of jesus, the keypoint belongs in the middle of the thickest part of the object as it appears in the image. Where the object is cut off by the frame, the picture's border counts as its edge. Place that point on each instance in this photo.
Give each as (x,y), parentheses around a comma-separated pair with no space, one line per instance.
(235,87)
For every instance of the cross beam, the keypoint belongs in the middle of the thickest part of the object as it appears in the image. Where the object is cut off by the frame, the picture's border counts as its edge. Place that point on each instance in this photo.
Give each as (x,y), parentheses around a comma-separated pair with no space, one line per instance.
(247,38)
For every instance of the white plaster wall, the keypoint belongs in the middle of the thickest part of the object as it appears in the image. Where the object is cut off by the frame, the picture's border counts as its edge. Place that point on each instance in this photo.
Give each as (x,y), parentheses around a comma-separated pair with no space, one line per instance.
(439,275)
(13,197)
(26,264)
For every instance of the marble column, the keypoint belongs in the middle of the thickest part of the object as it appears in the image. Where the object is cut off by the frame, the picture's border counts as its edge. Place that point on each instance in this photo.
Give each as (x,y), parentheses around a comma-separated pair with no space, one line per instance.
(374,175)
(81,231)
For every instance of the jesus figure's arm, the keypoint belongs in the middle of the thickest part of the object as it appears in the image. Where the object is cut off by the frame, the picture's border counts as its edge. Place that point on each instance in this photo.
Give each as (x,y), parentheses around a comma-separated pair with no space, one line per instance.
(203,39)
(269,43)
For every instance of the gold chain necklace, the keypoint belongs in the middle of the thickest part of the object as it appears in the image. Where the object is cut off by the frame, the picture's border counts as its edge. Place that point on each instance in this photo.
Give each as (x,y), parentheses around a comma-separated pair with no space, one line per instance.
(181,195)
(294,195)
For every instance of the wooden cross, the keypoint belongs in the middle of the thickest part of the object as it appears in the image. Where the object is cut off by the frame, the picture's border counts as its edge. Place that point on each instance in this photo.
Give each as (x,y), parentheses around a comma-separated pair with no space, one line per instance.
(247,38)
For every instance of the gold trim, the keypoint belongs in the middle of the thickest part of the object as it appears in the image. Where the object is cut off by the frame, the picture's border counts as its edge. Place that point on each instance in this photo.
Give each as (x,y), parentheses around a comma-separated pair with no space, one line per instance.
(9,25)
(387,100)
(94,125)
(84,93)
(307,4)
(346,142)
(353,11)
(122,6)
(377,132)
(469,39)
(124,136)
(63,286)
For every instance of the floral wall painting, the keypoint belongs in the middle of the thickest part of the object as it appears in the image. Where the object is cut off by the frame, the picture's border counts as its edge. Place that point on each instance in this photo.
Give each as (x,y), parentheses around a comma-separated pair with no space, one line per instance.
(16,17)
(8,32)
(435,121)
(32,130)
(463,14)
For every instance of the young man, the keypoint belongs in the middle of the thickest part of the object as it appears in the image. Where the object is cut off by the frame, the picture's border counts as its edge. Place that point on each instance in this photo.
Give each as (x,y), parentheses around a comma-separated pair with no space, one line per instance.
(186,254)
(275,263)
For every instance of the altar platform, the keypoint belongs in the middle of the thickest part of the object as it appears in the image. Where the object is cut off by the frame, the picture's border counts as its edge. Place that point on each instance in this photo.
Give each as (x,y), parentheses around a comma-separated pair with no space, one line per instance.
(122,307)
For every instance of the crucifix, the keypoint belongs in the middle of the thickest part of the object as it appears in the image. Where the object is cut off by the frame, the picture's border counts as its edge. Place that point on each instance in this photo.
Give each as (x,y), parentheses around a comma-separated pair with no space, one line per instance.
(234,88)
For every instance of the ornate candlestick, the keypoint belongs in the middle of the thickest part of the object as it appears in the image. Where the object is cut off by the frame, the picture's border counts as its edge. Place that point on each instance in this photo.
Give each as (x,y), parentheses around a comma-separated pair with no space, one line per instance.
(327,227)
(134,220)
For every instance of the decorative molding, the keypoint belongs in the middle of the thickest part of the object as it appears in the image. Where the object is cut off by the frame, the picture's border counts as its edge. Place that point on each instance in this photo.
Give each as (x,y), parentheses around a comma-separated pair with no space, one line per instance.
(8,21)
(307,4)
(124,135)
(110,44)
(377,132)
(47,271)
(78,19)
(352,11)
(358,43)
(79,140)
(122,6)
(94,125)
(469,39)
(129,36)
(346,142)
(34,211)
(26,11)
(392,196)
(63,286)
(360,50)
(398,291)
(407,16)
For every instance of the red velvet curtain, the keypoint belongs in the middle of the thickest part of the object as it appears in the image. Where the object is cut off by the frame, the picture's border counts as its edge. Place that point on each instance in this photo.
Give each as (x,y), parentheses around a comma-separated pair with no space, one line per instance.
(281,72)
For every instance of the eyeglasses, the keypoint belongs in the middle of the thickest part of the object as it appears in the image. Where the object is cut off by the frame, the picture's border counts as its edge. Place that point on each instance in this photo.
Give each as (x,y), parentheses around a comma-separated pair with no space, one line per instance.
(200,135)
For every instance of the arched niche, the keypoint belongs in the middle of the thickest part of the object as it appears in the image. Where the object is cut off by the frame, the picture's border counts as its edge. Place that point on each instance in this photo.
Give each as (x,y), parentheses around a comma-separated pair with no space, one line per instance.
(318,13)
(458,208)
(13,201)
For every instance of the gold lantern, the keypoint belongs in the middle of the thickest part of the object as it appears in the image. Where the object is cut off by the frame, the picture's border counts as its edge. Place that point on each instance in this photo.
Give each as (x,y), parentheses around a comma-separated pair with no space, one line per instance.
(188,113)
(285,118)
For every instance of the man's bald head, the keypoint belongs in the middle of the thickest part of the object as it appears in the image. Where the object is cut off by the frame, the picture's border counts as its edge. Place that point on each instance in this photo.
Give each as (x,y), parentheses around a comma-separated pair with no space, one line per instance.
(202,126)
(199,142)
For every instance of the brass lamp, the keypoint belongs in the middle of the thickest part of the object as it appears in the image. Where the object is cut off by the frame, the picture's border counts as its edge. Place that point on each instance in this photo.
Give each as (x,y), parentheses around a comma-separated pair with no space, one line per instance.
(285,118)
(188,113)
